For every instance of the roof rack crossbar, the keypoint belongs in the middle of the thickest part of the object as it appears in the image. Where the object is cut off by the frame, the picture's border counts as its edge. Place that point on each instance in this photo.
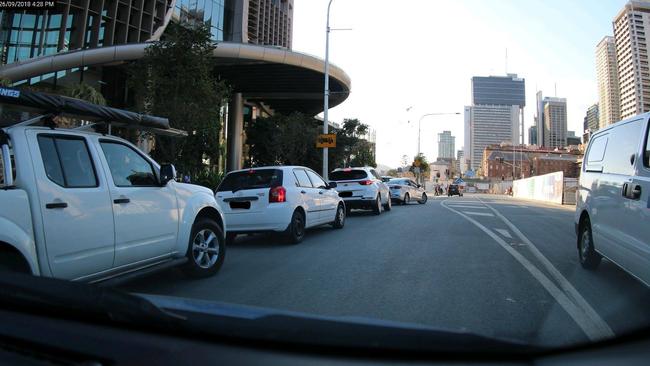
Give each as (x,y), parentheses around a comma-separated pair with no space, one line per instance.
(34,120)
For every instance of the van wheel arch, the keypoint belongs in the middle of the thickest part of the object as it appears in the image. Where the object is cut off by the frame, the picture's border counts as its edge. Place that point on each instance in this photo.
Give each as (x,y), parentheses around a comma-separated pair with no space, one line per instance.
(584,217)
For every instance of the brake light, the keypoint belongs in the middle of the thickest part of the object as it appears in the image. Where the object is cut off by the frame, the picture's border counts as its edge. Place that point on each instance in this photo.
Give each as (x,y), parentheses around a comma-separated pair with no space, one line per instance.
(278,194)
(365,182)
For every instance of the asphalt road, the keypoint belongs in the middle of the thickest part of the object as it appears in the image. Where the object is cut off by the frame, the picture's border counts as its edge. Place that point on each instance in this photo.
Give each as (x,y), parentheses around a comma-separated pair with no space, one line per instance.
(491,265)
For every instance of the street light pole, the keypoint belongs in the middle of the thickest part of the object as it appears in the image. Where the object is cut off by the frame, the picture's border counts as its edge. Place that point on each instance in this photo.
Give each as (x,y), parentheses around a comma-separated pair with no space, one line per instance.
(326,94)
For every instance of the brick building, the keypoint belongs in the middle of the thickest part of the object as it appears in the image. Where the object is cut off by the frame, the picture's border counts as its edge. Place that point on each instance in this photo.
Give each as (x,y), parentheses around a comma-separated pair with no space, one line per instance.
(498,162)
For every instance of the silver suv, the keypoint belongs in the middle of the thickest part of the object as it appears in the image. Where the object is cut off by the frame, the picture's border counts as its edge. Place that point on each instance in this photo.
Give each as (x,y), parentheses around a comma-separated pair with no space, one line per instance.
(362,188)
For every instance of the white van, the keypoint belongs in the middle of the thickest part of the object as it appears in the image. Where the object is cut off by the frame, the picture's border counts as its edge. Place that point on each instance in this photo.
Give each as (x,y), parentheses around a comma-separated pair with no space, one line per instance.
(613,200)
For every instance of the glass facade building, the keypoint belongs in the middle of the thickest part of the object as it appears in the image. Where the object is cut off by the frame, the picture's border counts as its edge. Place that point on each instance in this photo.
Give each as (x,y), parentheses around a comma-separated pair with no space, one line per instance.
(498,90)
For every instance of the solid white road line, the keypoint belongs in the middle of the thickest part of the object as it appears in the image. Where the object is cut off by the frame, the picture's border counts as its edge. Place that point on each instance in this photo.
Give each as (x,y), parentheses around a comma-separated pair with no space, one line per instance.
(504,232)
(593,329)
(602,326)
(477,213)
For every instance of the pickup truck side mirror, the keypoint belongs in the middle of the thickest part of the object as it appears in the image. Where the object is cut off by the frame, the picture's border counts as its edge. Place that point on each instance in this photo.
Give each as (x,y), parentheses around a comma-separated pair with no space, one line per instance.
(331,185)
(167,173)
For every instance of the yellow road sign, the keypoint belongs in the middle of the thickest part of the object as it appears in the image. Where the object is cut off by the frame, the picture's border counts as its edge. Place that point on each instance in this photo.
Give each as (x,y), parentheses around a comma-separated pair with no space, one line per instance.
(326,140)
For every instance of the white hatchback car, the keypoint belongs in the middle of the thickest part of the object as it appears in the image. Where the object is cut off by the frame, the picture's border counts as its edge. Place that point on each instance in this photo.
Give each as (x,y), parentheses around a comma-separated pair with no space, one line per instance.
(285,199)
(362,188)
(613,199)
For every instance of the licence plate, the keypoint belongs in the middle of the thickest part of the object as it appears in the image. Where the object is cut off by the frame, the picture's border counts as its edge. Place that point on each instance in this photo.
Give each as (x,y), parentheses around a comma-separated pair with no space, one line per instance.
(246,205)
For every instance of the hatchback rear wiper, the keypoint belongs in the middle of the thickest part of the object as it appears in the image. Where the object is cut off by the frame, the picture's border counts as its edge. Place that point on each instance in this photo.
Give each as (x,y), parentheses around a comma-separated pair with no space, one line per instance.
(42,295)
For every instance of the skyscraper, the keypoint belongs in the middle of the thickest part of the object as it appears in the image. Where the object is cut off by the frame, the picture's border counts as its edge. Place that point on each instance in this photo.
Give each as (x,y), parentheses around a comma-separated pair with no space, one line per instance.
(494,116)
(532,135)
(607,79)
(446,145)
(460,161)
(630,26)
(555,122)
(593,118)
(488,125)
(539,118)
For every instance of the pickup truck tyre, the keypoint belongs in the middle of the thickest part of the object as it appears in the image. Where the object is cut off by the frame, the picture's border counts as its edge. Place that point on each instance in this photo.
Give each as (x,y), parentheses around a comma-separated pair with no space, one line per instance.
(230,238)
(206,249)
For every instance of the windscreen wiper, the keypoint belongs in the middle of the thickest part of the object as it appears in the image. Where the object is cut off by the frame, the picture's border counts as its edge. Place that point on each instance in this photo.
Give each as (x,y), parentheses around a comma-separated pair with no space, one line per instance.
(42,295)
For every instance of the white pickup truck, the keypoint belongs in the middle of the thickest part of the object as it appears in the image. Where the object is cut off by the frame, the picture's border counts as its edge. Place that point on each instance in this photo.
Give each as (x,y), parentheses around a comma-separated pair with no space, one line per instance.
(84,206)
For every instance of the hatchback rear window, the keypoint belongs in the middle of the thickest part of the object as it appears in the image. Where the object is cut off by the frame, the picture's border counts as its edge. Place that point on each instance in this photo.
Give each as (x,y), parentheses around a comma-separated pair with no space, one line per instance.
(251,179)
(348,174)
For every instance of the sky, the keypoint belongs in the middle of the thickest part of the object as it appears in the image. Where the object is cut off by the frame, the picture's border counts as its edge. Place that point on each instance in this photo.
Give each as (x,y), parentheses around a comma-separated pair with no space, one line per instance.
(423,54)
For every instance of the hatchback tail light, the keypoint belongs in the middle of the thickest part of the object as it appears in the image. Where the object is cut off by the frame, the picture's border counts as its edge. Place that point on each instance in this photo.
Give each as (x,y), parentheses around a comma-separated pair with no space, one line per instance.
(278,194)
(366,182)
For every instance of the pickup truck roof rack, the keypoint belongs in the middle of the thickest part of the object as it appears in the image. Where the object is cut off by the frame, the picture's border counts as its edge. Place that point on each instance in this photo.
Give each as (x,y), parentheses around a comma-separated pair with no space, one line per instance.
(50,105)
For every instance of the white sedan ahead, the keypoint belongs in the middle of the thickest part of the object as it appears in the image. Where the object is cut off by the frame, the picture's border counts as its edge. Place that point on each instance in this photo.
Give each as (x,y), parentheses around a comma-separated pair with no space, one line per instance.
(285,199)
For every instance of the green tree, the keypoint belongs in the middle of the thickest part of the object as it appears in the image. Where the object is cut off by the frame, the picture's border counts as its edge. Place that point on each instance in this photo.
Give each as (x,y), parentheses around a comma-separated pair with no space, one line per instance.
(85,92)
(175,80)
(284,140)
(351,148)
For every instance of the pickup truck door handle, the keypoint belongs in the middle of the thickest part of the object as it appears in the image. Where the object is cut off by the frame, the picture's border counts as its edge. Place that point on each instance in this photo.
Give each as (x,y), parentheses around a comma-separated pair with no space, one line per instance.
(121,200)
(56,205)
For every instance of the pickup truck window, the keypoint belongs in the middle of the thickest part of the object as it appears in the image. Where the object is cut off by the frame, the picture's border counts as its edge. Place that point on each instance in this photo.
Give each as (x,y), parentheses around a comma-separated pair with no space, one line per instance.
(67,161)
(128,167)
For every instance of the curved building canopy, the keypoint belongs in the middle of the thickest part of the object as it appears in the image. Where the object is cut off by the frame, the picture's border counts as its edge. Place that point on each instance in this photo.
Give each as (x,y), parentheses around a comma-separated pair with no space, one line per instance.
(283,79)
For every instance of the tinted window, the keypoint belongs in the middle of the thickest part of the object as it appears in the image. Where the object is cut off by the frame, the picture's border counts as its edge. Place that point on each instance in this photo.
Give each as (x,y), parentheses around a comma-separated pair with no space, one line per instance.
(303,180)
(316,180)
(396,181)
(51,162)
(373,172)
(251,179)
(67,161)
(348,174)
(128,168)
(623,143)
(78,169)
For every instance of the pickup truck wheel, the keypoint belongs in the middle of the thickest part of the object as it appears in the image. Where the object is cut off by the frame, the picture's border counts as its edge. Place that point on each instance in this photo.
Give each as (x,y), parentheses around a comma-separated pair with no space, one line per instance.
(230,238)
(206,249)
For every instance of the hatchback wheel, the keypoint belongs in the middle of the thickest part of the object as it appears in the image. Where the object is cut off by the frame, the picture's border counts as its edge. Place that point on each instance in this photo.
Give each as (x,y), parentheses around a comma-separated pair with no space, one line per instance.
(339,220)
(589,259)
(296,230)
(206,250)
(424,199)
(377,208)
